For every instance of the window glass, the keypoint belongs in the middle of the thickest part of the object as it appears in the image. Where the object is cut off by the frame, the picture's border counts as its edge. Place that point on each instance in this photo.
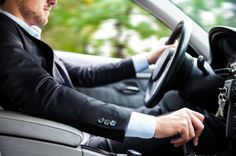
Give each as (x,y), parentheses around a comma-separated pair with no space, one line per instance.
(116,28)
(210,13)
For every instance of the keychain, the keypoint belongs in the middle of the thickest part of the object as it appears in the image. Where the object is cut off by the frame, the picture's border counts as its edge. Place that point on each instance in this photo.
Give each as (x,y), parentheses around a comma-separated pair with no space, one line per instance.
(221,102)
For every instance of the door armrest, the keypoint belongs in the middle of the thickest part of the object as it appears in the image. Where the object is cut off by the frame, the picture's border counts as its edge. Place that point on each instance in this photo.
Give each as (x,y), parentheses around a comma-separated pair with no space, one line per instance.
(25,126)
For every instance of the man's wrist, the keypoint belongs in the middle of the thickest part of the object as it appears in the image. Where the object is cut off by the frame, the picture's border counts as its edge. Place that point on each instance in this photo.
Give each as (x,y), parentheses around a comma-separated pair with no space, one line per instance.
(141,126)
(140,62)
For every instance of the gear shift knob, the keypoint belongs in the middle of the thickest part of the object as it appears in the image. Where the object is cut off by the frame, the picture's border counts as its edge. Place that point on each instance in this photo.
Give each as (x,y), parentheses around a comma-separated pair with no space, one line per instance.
(200,65)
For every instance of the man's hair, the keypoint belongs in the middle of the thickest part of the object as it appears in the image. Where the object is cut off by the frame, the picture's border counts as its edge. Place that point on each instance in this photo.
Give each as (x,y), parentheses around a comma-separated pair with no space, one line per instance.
(2,2)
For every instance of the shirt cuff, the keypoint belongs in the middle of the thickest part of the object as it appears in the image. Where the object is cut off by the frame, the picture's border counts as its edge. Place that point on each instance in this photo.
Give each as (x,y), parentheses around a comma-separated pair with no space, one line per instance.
(140,62)
(141,126)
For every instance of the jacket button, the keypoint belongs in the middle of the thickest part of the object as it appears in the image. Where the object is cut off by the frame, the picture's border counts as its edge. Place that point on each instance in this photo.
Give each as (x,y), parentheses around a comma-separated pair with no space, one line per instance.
(101,120)
(106,122)
(112,123)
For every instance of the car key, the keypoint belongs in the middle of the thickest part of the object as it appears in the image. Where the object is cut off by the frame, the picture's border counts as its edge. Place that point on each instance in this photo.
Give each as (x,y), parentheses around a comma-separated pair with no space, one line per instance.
(221,102)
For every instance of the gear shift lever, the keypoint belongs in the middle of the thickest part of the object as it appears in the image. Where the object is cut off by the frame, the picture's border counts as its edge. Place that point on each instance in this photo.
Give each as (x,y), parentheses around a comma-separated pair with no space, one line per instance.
(200,65)
(188,151)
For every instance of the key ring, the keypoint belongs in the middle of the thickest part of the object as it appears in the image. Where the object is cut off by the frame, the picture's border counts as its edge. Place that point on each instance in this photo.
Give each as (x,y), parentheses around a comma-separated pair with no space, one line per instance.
(222,97)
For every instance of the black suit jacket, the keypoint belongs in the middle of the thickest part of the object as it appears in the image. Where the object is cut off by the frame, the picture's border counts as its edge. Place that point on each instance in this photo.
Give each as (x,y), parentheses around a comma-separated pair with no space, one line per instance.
(33,80)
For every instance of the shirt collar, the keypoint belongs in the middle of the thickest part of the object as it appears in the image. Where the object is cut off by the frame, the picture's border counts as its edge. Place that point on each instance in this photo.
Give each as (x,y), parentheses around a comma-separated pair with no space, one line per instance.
(34,30)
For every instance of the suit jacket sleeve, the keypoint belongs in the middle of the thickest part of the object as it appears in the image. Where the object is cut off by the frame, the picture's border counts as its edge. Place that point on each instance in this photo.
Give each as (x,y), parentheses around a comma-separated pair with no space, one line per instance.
(90,76)
(28,87)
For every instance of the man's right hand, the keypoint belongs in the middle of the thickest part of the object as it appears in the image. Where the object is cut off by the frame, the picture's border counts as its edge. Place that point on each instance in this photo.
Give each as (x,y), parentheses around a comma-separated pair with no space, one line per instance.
(184,125)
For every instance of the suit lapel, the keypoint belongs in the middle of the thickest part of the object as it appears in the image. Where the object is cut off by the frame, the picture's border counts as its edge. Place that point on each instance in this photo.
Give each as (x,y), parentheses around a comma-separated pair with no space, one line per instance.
(62,69)
(55,67)
(53,64)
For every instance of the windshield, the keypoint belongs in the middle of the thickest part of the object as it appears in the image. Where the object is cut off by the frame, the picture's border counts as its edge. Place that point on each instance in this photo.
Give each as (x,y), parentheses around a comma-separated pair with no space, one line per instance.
(209,13)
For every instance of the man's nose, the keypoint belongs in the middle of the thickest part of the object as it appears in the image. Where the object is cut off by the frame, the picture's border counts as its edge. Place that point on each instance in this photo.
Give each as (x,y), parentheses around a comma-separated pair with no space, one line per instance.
(52,2)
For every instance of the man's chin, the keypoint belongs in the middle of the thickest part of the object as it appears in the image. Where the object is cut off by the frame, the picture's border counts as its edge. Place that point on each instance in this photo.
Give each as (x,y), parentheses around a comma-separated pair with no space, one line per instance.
(43,22)
(46,22)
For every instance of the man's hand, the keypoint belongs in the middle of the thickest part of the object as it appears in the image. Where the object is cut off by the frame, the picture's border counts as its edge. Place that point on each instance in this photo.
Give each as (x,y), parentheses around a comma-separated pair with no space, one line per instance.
(184,125)
(153,55)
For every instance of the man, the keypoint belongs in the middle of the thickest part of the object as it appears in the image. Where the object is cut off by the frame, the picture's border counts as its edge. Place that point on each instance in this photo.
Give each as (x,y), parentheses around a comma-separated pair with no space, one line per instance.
(35,81)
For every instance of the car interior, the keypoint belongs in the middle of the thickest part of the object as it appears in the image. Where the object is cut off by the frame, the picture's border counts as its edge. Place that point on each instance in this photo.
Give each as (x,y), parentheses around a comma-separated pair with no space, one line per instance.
(201,64)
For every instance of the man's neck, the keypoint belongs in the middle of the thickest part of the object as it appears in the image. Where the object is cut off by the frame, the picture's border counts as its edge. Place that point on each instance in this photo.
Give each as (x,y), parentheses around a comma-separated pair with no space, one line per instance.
(34,31)
(13,9)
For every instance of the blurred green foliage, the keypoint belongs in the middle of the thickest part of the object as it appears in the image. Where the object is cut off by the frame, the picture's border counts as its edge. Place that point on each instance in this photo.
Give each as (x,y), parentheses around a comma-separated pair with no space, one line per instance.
(210,13)
(74,25)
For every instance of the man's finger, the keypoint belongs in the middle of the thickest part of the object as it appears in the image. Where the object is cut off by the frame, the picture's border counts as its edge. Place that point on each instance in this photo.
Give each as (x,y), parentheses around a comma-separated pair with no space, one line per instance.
(195,141)
(198,115)
(187,133)
(198,126)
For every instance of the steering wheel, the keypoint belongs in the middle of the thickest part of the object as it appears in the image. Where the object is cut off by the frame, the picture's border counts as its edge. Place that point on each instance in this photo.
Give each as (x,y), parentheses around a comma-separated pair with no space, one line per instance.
(168,65)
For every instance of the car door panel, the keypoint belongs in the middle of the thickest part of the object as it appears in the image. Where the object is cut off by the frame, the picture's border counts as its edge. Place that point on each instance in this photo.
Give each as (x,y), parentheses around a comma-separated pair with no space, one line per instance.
(128,93)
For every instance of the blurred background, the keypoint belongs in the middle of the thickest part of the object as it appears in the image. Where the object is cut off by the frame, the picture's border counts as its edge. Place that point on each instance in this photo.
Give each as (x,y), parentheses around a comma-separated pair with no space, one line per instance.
(119,28)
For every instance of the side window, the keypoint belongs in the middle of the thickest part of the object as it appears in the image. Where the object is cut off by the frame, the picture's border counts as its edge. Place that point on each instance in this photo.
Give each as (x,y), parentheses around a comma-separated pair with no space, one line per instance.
(114,28)
(209,13)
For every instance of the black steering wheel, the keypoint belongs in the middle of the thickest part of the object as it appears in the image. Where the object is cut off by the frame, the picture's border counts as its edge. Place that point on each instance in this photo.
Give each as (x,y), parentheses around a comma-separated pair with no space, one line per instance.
(168,65)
